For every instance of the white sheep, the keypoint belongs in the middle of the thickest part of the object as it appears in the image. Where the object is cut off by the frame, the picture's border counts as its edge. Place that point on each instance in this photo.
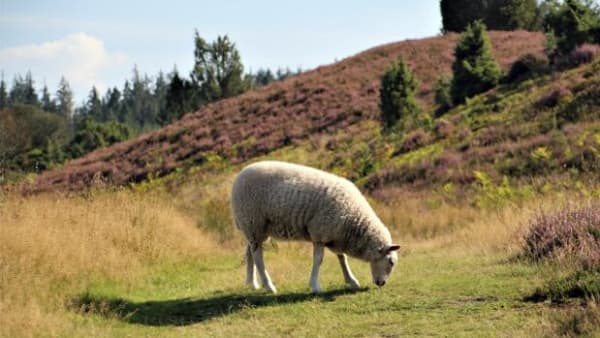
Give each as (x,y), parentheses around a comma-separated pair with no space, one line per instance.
(295,202)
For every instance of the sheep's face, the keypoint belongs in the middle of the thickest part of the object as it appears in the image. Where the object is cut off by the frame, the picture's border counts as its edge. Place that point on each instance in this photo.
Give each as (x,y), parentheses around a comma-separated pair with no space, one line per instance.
(382,267)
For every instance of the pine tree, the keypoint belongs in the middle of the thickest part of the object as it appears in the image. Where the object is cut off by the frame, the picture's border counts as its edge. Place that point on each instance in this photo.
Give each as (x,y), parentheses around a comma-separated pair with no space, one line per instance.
(218,70)
(93,106)
(64,98)
(496,14)
(161,89)
(30,93)
(474,68)
(179,100)
(46,102)
(573,23)
(3,94)
(144,110)
(111,105)
(397,95)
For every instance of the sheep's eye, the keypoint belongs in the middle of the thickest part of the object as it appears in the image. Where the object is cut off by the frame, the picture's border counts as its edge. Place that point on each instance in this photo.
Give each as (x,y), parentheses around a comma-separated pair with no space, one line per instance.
(391,261)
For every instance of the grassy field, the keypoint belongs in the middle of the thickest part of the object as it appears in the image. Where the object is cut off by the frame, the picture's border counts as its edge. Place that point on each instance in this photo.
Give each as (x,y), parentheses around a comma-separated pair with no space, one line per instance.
(138,263)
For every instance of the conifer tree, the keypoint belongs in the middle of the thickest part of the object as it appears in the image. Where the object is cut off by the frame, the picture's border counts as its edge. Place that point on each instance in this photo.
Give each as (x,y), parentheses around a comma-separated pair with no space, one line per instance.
(397,95)
(474,68)
(64,98)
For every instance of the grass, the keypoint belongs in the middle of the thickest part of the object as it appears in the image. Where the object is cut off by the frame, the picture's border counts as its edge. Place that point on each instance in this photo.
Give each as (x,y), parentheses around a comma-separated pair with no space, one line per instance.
(137,263)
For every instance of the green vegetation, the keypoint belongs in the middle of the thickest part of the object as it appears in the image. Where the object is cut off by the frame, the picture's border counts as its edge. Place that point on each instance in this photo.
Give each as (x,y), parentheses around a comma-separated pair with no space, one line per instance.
(474,69)
(573,23)
(496,14)
(397,96)
(146,268)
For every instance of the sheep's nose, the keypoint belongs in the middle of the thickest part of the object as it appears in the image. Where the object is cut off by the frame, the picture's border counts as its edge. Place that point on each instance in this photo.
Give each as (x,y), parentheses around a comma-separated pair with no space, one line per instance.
(380,282)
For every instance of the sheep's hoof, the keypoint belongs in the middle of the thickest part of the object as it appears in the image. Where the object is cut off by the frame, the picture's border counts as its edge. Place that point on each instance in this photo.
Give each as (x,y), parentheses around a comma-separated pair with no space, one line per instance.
(254,286)
(353,283)
(271,289)
(316,291)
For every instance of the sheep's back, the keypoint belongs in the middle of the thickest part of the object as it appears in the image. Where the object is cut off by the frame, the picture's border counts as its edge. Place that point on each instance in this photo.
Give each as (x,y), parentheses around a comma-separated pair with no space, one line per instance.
(284,200)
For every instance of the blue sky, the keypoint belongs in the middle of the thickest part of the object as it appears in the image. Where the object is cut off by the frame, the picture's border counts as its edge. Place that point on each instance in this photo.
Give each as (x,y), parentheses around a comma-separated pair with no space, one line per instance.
(99,42)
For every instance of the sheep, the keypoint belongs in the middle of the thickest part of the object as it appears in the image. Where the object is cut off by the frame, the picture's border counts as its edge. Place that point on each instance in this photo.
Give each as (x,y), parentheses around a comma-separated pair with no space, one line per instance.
(295,202)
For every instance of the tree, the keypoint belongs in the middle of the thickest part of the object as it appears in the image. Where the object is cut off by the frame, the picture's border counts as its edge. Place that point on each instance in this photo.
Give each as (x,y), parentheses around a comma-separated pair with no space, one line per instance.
(572,23)
(443,97)
(111,103)
(218,70)
(496,14)
(180,98)
(458,14)
(397,95)
(23,91)
(92,135)
(143,108)
(474,68)
(46,102)
(64,98)
(3,94)
(161,90)
(93,105)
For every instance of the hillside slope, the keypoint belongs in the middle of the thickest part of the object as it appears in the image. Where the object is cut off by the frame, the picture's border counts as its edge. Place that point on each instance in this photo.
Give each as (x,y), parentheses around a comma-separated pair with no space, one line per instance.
(323,100)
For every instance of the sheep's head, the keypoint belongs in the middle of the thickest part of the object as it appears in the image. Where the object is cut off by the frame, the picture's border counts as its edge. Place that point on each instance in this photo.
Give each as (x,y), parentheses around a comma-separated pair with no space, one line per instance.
(382,267)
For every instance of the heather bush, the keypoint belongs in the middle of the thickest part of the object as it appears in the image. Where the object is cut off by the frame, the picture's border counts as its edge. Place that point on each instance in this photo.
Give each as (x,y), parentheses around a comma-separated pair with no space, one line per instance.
(528,66)
(414,140)
(581,55)
(571,233)
(554,97)
(443,128)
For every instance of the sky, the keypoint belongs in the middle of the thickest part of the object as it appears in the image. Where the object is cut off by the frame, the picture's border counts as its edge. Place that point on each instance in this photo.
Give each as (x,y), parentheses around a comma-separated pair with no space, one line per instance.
(98,43)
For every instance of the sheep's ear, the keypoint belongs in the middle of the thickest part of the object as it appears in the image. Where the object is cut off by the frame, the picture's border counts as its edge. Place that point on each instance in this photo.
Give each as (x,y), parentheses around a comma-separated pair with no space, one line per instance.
(393,247)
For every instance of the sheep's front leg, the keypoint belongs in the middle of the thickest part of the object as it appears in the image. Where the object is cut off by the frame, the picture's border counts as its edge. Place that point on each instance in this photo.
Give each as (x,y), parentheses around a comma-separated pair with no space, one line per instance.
(348,276)
(317,260)
(257,255)
(250,269)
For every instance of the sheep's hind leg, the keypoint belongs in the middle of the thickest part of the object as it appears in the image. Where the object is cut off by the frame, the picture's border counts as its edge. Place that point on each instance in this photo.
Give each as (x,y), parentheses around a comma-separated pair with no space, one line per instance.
(251,269)
(348,276)
(257,255)
(317,260)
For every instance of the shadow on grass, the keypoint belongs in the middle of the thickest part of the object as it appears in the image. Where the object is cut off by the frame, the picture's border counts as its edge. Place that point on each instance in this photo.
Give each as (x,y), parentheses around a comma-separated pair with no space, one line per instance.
(187,311)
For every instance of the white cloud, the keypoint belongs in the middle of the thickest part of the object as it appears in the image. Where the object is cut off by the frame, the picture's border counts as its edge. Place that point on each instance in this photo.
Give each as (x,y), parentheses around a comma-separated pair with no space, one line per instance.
(81,58)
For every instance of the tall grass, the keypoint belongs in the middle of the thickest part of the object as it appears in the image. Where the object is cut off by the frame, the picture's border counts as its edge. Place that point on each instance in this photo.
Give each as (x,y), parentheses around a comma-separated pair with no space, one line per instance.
(52,245)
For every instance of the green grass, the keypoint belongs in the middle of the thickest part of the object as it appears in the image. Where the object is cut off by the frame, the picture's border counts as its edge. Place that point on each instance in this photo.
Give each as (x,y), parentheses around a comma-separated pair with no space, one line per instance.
(439,292)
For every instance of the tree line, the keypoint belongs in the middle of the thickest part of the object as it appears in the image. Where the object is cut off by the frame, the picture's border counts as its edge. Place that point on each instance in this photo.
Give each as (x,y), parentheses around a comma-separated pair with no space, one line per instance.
(39,129)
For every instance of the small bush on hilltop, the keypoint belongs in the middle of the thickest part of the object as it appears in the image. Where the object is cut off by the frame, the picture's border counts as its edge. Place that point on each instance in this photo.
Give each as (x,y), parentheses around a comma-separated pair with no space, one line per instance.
(474,68)
(397,95)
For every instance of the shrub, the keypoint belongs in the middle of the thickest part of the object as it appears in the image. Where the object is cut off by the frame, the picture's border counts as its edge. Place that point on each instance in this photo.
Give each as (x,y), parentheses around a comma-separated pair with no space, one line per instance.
(554,97)
(443,128)
(583,54)
(443,97)
(528,66)
(567,233)
(415,139)
(397,95)
(573,23)
(474,68)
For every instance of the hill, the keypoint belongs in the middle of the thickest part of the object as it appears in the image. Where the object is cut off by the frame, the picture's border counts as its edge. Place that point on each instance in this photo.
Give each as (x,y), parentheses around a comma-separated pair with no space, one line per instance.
(322,101)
